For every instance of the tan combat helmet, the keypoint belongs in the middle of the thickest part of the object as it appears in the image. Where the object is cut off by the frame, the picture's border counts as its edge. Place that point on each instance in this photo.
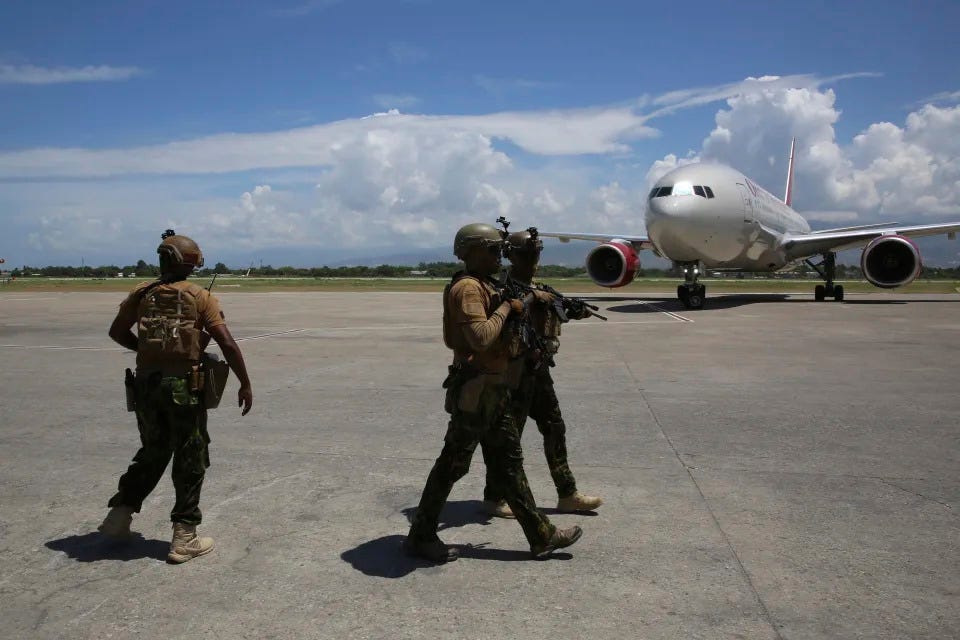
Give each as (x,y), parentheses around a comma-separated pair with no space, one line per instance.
(526,243)
(476,234)
(180,250)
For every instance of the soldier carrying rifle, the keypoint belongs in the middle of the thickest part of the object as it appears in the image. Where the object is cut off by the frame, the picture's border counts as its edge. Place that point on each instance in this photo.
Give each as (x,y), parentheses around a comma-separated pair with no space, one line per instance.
(532,390)
(475,328)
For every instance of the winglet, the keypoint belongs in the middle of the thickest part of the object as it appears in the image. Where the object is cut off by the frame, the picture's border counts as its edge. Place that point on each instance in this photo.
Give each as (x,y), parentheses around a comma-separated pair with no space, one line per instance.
(788,194)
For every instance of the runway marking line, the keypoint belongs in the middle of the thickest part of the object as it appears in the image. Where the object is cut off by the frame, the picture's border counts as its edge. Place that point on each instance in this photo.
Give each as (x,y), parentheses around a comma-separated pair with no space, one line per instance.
(53,347)
(270,335)
(676,316)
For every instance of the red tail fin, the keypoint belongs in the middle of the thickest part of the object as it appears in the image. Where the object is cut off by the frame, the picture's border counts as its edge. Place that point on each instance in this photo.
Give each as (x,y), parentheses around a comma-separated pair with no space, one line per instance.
(788,194)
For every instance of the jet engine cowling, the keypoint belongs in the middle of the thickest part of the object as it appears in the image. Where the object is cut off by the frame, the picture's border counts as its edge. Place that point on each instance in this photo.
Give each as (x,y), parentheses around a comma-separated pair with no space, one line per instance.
(890,261)
(613,264)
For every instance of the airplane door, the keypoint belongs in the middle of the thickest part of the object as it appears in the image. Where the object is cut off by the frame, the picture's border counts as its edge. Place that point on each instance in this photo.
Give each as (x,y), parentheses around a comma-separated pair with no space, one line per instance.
(748,214)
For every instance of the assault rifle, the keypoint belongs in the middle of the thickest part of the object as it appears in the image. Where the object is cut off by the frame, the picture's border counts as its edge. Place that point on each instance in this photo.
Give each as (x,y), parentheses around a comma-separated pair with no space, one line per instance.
(511,289)
(566,305)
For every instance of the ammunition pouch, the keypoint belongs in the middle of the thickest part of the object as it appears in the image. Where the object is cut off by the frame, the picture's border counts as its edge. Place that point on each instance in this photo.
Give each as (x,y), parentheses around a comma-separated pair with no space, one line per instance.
(180,388)
(513,338)
(180,391)
(551,346)
(515,372)
(213,379)
(464,385)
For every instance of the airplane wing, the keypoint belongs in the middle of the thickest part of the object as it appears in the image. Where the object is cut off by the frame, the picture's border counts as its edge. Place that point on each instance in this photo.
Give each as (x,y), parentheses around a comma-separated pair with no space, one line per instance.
(809,244)
(639,242)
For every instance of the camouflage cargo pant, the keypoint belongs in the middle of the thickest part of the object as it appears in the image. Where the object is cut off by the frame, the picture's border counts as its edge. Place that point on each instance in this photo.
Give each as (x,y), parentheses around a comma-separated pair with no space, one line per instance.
(537,398)
(172,424)
(494,428)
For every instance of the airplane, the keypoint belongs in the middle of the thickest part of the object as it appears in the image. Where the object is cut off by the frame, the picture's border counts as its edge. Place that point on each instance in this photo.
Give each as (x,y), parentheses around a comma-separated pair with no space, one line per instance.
(706,215)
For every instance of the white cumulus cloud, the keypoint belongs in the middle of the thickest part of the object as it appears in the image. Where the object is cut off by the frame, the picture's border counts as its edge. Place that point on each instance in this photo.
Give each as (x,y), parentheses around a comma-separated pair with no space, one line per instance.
(403,181)
(32,74)
(887,171)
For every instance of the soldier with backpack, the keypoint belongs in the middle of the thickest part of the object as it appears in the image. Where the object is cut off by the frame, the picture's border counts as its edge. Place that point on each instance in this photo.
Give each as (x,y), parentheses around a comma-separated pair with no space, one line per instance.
(175,321)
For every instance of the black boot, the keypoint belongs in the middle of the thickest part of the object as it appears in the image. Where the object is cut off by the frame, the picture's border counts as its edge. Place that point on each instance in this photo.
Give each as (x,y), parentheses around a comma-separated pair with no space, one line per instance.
(432,550)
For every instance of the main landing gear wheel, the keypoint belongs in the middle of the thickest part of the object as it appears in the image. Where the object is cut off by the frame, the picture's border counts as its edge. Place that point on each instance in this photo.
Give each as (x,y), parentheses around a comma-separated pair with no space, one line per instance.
(827,268)
(692,297)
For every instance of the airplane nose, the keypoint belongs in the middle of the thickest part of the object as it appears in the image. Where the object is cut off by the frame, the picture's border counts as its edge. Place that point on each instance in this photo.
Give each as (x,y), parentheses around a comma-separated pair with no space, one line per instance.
(676,224)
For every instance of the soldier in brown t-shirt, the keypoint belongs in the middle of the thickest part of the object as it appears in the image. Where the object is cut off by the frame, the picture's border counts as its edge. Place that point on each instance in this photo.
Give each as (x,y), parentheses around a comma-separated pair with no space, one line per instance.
(175,321)
(473,327)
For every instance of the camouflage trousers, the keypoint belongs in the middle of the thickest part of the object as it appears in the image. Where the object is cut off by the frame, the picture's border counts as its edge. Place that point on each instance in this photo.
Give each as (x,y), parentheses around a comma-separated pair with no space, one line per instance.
(172,424)
(537,398)
(491,426)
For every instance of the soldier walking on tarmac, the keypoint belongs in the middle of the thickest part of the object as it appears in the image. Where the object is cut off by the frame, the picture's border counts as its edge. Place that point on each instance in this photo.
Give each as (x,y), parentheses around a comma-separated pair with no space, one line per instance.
(175,321)
(477,398)
(532,392)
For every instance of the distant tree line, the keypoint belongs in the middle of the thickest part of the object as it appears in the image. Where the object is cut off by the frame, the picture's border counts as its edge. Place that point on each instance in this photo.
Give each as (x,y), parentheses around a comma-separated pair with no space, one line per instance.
(423,269)
(144,270)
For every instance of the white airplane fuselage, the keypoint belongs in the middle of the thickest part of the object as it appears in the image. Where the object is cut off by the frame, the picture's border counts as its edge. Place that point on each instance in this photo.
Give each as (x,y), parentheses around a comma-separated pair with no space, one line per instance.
(714,215)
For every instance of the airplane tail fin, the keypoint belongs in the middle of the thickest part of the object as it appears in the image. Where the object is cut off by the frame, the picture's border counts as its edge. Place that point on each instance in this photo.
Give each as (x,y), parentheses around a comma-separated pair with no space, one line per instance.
(788,193)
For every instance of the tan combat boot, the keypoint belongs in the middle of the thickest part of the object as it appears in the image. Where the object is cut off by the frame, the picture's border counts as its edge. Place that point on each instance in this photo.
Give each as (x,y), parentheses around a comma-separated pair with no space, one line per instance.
(498,508)
(187,544)
(561,538)
(117,523)
(578,502)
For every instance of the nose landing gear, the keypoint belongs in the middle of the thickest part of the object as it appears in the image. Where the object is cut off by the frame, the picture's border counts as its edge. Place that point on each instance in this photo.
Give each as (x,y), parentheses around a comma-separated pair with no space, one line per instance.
(827,268)
(691,294)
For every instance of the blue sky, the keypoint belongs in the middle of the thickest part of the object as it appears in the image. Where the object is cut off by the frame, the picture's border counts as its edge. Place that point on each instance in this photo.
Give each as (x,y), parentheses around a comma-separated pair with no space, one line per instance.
(131,78)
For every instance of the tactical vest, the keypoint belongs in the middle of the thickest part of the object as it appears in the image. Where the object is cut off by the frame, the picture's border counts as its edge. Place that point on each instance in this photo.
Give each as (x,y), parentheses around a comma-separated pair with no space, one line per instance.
(546,323)
(452,336)
(168,329)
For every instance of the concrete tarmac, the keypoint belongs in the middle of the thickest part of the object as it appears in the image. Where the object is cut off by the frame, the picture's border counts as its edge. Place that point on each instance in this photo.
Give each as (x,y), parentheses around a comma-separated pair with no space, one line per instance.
(772,468)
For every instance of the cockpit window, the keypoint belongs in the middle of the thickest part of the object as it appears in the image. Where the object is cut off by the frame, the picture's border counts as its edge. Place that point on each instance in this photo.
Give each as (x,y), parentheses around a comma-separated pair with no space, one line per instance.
(664,191)
(697,189)
(653,192)
(683,189)
(709,191)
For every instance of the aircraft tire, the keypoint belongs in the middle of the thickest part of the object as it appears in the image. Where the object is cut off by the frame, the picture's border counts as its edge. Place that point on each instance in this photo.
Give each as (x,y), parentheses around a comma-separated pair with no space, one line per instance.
(838,293)
(820,293)
(695,300)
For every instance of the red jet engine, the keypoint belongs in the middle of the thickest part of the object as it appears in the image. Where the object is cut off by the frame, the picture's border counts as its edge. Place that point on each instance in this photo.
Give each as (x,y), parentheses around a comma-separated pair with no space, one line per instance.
(613,264)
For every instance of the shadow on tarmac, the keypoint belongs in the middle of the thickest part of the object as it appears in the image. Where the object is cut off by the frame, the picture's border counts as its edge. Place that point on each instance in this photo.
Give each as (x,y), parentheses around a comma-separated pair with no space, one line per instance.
(384,557)
(647,304)
(659,305)
(94,547)
(457,513)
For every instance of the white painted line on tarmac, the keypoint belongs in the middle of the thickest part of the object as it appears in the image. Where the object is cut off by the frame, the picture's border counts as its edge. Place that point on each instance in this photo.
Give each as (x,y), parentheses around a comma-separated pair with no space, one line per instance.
(434,327)
(2,299)
(270,335)
(53,347)
(669,313)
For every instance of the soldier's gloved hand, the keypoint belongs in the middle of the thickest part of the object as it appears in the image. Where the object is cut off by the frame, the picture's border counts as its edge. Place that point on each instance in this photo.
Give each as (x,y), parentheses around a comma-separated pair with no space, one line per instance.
(544,297)
(517,306)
